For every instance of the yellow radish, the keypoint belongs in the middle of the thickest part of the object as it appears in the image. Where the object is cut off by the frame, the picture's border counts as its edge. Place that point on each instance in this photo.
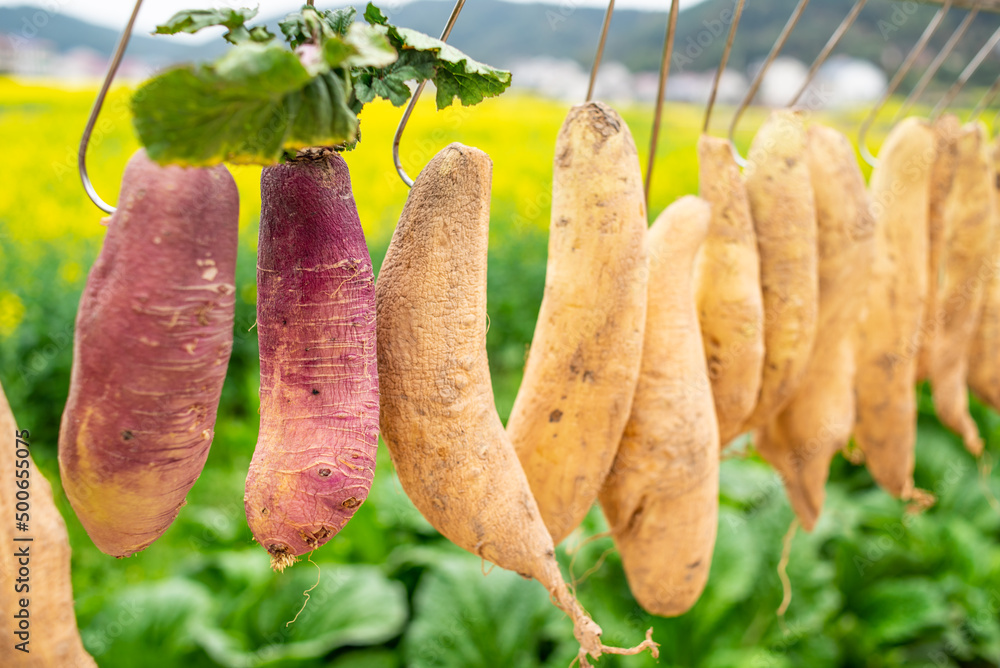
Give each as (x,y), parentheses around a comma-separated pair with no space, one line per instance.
(803,438)
(967,243)
(886,422)
(784,217)
(727,283)
(661,498)
(946,130)
(36,594)
(437,413)
(574,399)
(984,353)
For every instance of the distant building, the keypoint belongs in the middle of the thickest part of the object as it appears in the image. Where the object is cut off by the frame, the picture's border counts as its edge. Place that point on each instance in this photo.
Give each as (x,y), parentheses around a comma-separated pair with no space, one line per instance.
(551,77)
(696,87)
(783,80)
(851,81)
(26,57)
(840,81)
(37,57)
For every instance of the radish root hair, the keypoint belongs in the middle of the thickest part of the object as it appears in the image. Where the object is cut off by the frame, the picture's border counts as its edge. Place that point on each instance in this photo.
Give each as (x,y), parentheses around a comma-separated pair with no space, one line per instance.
(786,584)
(576,581)
(319,574)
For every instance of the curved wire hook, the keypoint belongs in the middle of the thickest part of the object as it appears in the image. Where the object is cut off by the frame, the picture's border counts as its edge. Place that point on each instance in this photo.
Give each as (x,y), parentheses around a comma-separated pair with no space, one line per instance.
(759,77)
(116,60)
(737,13)
(600,50)
(935,65)
(413,101)
(896,79)
(831,44)
(668,48)
(973,65)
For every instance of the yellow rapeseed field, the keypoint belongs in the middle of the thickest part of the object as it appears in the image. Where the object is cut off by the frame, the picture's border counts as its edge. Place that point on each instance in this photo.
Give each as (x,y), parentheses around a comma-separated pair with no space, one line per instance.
(42,204)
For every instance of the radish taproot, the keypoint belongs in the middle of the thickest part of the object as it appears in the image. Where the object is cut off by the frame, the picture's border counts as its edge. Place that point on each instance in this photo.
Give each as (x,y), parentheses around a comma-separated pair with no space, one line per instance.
(984,352)
(315,455)
(889,334)
(438,417)
(946,131)
(803,438)
(661,498)
(154,332)
(967,242)
(784,218)
(575,397)
(727,280)
(43,549)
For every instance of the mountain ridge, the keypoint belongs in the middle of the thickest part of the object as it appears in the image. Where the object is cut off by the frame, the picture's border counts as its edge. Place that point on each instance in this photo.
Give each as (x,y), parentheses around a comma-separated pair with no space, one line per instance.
(500,33)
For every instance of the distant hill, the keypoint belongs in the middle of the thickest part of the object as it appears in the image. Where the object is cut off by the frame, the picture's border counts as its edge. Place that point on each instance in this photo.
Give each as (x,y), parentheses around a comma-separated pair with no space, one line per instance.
(500,32)
(67,33)
(883,33)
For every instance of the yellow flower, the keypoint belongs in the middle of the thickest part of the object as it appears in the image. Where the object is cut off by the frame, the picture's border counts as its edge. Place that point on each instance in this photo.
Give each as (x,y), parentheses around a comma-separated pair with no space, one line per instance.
(11,313)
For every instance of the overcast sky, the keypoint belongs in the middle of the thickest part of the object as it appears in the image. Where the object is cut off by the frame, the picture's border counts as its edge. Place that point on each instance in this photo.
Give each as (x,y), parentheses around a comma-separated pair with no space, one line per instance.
(114,13)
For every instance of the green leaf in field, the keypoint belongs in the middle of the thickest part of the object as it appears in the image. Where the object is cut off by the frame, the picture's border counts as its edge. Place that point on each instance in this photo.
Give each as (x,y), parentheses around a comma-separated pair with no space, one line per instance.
(375,16)
(469,81)
(314,25)
(340,19)
(254,103)
(363,46)
(371,48)
(350,606)
(423,57)
(335,52)
(464,619)
(390,83)
(157,614)
(192,20)
(260,100)
(904,609)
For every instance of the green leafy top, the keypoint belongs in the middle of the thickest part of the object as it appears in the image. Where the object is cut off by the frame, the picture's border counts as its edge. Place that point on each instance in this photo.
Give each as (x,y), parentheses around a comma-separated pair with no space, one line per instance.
(263,99)
(193,20)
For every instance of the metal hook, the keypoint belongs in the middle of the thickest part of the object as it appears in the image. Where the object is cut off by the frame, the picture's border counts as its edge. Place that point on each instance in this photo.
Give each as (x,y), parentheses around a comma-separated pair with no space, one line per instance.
(668,48)
(831,44)
(737,13)
(935,65)
(759,77)
(600,50)
(116,60)
(973,65)
(413,101)
(891,88)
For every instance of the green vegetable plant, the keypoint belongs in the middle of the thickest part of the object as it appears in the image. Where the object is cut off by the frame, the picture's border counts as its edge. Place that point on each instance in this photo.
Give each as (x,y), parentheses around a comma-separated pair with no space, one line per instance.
(264,99)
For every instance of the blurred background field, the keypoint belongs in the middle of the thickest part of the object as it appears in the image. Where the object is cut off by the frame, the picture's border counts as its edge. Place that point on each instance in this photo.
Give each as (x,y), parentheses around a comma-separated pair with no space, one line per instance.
(873,586)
